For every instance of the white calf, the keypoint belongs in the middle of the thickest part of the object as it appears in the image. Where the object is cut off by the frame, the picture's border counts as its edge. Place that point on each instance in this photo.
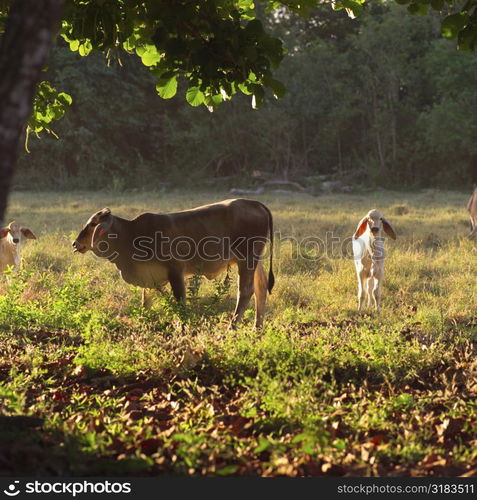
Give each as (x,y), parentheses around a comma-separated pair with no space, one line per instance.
(369,255)
(12,238)
(472,209)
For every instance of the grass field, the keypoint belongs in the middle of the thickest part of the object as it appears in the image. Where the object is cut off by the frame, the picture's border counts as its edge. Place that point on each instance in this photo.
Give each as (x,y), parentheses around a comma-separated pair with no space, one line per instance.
(92,384)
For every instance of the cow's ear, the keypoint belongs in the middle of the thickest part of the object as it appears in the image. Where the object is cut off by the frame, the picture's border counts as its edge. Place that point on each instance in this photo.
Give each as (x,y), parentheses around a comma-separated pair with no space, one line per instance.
(4,232)
(101,229)
(362,224)
(388,229)
(28,234)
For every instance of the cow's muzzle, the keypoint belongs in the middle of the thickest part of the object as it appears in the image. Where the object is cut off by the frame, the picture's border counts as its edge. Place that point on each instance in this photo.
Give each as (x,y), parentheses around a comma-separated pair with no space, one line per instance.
(78,247)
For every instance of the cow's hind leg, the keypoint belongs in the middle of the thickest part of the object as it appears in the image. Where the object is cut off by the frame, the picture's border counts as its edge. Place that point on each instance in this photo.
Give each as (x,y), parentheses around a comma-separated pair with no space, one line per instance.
(245,291)
(260,284)
(176,279)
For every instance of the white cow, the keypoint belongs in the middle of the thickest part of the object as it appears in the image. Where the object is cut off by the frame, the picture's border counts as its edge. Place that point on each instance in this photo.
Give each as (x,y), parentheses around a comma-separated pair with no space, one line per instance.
(12,239)
(369,255)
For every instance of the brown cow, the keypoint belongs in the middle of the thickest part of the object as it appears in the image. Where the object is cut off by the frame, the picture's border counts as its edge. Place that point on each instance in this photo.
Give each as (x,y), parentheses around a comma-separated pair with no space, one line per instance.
(472,209)
(154,249)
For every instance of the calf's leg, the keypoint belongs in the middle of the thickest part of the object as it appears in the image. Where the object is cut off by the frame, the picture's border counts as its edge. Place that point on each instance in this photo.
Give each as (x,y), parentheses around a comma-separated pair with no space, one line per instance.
(362,289)
(377,275)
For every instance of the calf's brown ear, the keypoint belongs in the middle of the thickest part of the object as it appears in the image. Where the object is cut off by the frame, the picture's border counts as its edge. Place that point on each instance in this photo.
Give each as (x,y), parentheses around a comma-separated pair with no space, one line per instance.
(361,227)
(28,234)
(388,229)
(4,232)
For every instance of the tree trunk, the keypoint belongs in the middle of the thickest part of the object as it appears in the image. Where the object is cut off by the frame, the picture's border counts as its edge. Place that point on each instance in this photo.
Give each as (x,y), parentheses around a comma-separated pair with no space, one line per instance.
(24,50)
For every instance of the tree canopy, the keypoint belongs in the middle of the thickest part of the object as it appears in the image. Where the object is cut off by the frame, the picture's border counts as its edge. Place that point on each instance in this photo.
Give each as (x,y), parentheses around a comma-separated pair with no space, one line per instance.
(218,47)
(361,106)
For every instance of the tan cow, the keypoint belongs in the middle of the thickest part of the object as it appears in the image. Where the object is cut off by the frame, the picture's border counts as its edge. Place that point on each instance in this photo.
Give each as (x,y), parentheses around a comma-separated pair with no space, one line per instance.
(472,209)
(154,249)
(12,239)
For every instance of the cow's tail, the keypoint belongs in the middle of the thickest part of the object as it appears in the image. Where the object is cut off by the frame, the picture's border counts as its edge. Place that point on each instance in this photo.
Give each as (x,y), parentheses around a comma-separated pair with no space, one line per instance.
(271,277)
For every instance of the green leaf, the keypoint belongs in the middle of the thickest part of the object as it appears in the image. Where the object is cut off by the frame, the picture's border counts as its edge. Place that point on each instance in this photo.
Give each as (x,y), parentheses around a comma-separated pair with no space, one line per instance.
(300,437)
(85,48)
(263,444)
(353,7)
(141,50)
(65,98)
(244,88)
(217,99)
(244,4)
(130,42)
(167,87)
(212,101)
(194,96)
(228,470)
(57,114)
(454,23)
(150,56)
(339,444)
(74,45)
(404,401)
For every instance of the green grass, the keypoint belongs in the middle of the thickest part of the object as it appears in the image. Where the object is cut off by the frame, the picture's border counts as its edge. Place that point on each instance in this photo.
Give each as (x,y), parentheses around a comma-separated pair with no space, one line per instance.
(91,383)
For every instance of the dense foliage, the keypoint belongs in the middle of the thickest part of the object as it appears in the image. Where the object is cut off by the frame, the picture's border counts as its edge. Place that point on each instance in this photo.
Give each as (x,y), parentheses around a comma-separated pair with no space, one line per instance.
(389,111)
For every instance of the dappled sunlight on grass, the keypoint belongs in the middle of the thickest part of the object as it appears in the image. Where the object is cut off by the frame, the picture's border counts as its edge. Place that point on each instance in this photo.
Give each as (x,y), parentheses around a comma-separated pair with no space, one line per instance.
(320,390)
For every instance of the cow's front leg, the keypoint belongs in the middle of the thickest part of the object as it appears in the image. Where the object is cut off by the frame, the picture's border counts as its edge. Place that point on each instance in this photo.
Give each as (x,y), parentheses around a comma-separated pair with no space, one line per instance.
(145,299)
(176,279)
(147,296)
